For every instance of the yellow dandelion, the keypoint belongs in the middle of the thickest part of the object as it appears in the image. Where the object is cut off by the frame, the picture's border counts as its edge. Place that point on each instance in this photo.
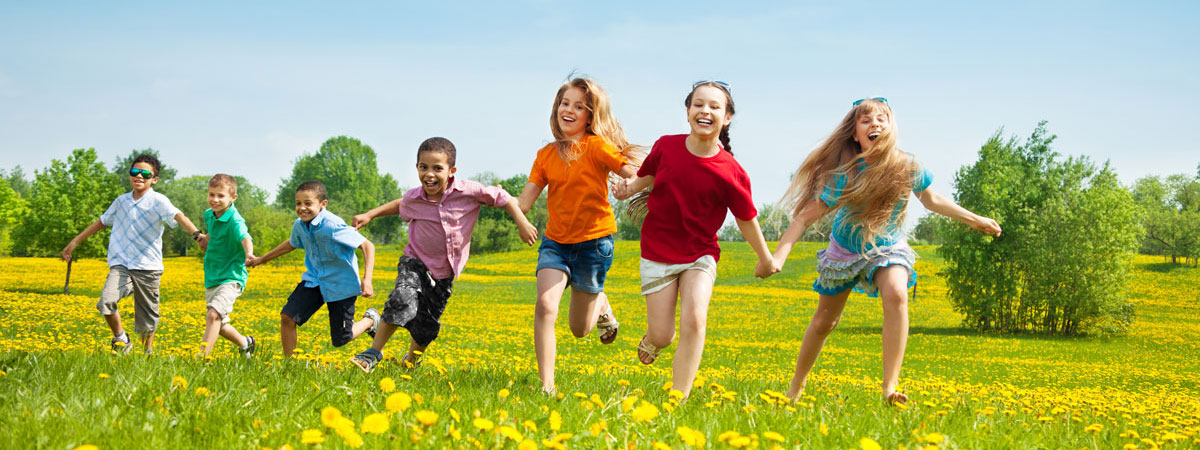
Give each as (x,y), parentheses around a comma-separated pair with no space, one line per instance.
(483,424)
(87,447)
(503,393)
(742,441)
(398,402)
(661,446)
(511,433)
(527,445)
(771,435)
(387,384)
(348,435)
(933,438)
(1093,428)
(555,421)
(628,402)
(330,416)
(823,429)
(454,415)
(202,392)
(426,417)
(530,425)
(869,444)
(598,427)
(311,436)
(691,437)
(104,376)
(178,382)
(645,412)
(375,423)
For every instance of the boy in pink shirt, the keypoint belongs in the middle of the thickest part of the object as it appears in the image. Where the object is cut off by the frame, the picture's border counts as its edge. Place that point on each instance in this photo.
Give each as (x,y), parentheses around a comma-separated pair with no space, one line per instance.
(441,215)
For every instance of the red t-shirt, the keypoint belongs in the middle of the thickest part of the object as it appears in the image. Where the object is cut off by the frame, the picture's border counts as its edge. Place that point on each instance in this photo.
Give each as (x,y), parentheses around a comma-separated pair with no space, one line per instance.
(688,202)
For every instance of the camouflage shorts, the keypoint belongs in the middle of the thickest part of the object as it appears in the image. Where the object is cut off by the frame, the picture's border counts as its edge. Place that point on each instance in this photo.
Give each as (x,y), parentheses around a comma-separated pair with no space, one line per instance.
(417,301)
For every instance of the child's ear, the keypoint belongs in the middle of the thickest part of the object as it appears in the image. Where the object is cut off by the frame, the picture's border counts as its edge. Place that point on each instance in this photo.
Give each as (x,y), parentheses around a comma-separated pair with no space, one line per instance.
(453,169)
(324,203)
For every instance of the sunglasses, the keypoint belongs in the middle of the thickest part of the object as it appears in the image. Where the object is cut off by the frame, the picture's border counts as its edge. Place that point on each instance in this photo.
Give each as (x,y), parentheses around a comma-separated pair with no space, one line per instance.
(722,84)
(878,99)
(146,174)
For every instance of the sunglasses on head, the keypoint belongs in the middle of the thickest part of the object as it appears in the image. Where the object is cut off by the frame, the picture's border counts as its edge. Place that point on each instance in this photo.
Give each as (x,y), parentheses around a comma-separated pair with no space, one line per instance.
(878,99)
(722,84)
(146,174)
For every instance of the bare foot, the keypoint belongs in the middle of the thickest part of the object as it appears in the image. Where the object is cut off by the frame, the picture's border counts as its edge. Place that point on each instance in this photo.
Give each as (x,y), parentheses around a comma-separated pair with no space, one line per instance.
(894,397)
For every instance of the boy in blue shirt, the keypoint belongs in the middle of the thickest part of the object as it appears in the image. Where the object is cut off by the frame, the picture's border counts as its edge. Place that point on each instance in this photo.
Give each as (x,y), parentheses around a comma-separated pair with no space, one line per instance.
(331,271)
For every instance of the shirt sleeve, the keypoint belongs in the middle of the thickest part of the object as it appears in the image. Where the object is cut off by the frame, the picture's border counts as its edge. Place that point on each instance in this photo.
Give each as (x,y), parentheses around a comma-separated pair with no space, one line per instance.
(922,180)
(537,173)
(111,212)
(346,235)
(739,198)
(494,196)
(167,211)
(242,231)
(406,205)
(295,240)
(833,190)
(650,164)
(607,155)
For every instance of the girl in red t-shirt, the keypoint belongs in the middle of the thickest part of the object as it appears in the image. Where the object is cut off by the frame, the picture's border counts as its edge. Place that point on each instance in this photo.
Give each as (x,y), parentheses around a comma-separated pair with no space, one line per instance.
(577,247)
(695,180)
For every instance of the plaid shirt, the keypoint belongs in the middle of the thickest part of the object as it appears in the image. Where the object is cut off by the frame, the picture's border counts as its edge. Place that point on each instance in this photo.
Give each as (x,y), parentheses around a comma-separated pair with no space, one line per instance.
(137,228)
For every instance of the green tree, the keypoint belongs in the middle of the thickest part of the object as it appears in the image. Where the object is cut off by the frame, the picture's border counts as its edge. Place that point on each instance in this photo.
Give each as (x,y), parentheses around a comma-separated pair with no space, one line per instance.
(352,181)
(16,181)
(121,167)
(1069,231)
(495,230)
(190,195)
(929,229)
(1171,216)
(66,197)
(13,210)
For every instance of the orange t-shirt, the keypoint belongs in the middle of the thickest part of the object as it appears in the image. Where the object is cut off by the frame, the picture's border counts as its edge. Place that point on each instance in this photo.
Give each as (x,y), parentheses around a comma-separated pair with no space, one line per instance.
(578,199)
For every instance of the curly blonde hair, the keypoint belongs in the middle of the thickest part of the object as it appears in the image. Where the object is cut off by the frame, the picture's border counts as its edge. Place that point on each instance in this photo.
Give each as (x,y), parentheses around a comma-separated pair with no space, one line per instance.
(603,123)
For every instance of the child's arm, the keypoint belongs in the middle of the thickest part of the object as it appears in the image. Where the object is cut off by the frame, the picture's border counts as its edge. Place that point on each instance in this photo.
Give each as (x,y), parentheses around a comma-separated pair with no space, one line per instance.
(528,196)
(529,234)
(282,249)
(753,234)
(940,204)
(627,171)
(627,188)
(368,249)
(813,211)
(387,209)
(200,238)
(90,230)
(248,247)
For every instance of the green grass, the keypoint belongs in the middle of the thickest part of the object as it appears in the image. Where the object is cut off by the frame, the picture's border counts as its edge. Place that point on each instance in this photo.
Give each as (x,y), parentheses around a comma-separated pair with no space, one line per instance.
(978,390)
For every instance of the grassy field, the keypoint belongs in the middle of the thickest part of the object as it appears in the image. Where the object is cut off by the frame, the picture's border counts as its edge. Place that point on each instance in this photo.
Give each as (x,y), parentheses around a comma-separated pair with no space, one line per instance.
(61,387)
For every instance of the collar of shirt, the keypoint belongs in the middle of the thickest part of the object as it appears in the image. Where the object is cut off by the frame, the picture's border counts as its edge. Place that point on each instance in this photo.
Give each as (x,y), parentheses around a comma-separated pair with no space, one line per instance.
(453,185)
(318,220)
(224,217)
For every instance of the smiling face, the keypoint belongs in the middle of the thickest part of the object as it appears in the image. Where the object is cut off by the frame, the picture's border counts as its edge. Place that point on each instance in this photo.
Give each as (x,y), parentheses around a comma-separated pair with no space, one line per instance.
(219,198)
(573,113)
(434,170)
(308,205)
(141,185)
(870,126)
(707,112)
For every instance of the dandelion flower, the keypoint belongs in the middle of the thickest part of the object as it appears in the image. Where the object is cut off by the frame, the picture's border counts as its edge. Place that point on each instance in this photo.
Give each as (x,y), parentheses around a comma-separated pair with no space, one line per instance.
(645,412)
(330,416)
(691,437)
(375,423)
(555,421)
(398,402)
(503,393)
(202,392)
(483,424)
(774,436)
(426,417)
(934,438)
(527,445)
(104,376)
(869,444)
(311,436)
(511,433)
(178,382)
(387,384)
(87,447)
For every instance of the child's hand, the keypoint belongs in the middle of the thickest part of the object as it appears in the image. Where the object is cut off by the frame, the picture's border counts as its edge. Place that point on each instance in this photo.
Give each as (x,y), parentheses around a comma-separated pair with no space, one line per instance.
(202,241)
(368,290)
(621,189)
(765,268)
(66,253)
(250,261)
(361,220)
(986,225)
(529,234)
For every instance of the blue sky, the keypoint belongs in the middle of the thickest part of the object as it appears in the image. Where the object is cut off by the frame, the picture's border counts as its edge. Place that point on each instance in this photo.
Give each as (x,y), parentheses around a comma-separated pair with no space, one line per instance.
(247,88)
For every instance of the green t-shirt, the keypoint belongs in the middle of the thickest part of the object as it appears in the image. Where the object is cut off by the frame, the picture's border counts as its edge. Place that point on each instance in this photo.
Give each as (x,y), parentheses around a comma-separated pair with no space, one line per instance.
(225,260)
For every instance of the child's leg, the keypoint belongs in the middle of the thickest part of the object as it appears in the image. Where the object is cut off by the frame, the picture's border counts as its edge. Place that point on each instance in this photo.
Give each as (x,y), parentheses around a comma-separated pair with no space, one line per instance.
(230,333)
(300,306)
(584,310)
(114,323)
(220,301)
(145,304)
(413,347)
(117,284)
(892,282)
(550,286)
(287,334)
(695,291)
(660,316)
(382,335)
(825,319)
(212,327)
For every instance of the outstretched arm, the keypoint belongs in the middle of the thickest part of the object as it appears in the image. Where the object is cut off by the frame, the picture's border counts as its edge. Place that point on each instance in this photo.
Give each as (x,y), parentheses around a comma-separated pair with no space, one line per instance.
(529,234)
(387,209)
(625,189)
(627,171)
(812,211)
(368,249)
(282,249)
(90,230)
(248,247)
(528,196)
(940,204)
(753,234)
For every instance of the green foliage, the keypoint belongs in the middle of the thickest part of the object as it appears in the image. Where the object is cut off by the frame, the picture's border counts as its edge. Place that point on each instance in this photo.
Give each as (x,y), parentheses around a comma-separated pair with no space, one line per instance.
(352,181)
(121,167)
(1069,231)
(628,229)
(1171,216)
(16,180)
(13,210)
(495,230)
(190,195)
(929,230)
(65,199)
(773,220)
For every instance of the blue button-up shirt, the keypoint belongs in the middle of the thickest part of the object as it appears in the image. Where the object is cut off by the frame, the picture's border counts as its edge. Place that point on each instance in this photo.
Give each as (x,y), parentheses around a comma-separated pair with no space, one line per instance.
(137,229)
(329,259)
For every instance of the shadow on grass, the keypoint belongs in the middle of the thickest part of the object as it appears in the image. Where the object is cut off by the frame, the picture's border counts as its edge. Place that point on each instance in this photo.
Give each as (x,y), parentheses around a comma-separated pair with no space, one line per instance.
(45,291)
(1165,267)
(967,332)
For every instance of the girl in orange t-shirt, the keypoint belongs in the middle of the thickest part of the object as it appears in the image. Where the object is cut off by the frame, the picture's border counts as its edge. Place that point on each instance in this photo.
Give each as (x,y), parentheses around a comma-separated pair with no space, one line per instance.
(577,247)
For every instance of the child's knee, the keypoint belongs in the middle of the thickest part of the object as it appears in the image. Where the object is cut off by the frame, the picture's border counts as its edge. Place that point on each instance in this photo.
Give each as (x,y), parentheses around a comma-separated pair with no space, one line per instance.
(545,308)
(286,321)
(212,316)
(660,339)
(824,327)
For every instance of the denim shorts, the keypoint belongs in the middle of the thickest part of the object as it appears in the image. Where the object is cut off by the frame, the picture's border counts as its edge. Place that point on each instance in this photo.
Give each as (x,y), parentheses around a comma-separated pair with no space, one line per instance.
(586,263)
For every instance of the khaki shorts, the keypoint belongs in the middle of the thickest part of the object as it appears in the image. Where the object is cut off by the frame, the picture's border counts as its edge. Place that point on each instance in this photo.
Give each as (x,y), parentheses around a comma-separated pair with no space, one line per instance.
(143,284)
(656,275)
(221,297)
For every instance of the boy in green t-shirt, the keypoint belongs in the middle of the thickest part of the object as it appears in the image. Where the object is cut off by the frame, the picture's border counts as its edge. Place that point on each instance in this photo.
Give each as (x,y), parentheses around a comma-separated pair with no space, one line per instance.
(229,249)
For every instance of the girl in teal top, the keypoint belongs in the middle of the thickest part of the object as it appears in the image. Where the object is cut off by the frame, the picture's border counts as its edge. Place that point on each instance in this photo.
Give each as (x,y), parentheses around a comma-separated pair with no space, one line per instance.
(860,174)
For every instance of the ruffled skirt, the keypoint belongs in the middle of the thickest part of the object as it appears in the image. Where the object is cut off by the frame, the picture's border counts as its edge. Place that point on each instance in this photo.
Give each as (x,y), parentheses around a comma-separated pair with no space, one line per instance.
(839,269)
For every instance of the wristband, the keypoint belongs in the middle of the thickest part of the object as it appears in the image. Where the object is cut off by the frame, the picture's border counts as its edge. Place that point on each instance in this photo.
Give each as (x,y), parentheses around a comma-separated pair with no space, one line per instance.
(196,235)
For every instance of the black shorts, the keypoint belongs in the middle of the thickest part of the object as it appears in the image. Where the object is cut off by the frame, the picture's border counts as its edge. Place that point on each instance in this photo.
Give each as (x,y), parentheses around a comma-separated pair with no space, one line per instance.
(305,301)
(417,301)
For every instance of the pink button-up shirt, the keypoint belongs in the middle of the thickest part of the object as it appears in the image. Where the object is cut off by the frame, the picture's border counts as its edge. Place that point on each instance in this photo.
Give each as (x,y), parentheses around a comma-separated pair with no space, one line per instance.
(439,233)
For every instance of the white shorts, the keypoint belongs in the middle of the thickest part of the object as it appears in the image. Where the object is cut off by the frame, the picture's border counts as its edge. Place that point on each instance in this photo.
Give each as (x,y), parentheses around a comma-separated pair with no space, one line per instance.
(656,275)
(221,297)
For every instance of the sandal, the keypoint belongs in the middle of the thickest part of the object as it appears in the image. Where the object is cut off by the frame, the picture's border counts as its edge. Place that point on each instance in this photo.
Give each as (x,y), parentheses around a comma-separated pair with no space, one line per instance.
(367,360)
(608,326)
(649,349)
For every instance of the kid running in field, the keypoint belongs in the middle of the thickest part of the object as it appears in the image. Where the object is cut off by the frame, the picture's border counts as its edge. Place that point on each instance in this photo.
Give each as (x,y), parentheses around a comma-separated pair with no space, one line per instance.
(229,249)
(441,215)
(695,180)
(577,249)
(135,252)
(860,173)
(330,271)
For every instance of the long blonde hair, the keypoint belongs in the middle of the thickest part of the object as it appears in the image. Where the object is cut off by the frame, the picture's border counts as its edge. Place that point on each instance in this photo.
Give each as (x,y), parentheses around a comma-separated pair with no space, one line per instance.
(870,195)
(603,123)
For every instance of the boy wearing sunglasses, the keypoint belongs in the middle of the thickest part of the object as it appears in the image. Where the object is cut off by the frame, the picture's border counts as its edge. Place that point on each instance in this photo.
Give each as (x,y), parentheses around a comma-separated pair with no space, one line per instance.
(135,252)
